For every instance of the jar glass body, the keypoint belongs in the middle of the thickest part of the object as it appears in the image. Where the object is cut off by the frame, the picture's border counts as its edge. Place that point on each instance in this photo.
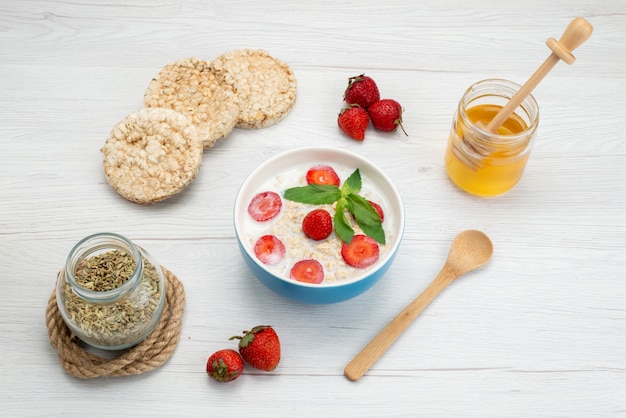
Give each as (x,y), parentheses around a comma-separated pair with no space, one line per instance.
(487,163)
(110,292)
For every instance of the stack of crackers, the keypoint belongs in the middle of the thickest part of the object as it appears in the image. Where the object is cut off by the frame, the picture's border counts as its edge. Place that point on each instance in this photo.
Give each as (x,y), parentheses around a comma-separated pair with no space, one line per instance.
(157,151)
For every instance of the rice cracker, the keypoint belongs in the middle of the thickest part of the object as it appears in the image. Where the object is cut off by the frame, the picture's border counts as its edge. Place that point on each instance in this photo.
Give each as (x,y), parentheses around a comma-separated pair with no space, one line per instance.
(151,155)
(266,86)
(190,87)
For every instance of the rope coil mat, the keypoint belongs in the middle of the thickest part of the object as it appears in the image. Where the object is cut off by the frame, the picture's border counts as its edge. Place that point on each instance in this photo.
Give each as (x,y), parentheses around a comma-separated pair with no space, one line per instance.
(149,354)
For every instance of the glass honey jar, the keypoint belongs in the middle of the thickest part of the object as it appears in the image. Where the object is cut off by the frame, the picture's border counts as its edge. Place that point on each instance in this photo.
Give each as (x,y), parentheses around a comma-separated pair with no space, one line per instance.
(486,163)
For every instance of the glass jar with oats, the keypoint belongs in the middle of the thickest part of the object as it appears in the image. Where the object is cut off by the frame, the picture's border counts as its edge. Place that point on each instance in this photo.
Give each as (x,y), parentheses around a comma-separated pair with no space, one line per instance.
(111,292)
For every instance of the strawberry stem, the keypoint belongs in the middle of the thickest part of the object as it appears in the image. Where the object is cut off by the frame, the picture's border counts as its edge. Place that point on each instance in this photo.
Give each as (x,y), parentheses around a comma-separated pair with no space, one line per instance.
(399,123)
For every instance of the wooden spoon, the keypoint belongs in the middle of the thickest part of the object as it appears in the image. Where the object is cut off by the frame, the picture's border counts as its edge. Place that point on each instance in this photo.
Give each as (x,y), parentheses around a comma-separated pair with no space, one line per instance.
(470,250)
(576,33)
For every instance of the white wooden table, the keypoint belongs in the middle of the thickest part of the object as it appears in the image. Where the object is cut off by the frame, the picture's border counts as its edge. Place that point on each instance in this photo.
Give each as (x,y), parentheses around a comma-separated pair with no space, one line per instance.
(539,331)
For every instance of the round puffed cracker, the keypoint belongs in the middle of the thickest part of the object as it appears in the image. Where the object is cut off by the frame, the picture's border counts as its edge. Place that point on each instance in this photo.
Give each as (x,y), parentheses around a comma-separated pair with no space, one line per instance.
(190,87)
(266,86)
(152,154)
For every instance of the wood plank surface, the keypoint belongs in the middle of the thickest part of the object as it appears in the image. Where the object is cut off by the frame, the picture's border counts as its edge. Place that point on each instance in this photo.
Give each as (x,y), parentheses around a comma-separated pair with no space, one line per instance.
(538,332)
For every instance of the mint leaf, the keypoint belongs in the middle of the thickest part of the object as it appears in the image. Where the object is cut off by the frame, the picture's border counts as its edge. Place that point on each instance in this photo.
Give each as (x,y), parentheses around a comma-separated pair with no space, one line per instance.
(348,200)
(366,216)
(352,184)
(362,210)
(314,194)
(342,227)
(375,231)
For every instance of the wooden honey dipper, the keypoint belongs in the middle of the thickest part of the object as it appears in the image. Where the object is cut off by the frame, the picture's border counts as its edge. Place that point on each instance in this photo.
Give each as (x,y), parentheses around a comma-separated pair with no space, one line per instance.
(576,33)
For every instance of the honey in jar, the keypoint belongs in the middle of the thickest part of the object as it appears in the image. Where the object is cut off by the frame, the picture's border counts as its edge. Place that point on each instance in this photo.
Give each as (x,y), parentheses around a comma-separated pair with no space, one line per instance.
(487,163)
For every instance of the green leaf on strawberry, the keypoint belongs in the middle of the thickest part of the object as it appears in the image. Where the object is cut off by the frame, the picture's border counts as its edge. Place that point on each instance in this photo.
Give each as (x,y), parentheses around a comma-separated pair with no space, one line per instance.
(347,200)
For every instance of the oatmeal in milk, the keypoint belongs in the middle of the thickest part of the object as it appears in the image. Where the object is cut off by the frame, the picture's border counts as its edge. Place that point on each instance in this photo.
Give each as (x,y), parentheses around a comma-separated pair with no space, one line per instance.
(300,222)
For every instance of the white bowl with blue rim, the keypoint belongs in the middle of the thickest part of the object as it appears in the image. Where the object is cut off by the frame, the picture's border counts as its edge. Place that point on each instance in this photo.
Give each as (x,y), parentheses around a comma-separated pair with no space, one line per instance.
(329,291)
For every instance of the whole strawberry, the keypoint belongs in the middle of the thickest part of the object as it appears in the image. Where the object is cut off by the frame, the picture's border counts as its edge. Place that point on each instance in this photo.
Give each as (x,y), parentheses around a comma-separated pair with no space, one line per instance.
(386,115)
(317,224)
(353,121)
(361,90)
(224,365)
(260,347)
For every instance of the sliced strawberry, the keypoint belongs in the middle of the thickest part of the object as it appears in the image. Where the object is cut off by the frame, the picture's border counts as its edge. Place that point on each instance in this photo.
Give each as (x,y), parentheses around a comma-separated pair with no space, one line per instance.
(265,206)
(378,210)
(270,250)
(317,224)
(361,252)
(308,271)
(322,174)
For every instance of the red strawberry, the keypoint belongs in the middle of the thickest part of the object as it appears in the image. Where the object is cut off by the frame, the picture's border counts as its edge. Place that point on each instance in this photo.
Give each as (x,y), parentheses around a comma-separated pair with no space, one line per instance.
(308,271)
(269,249)
(361,252)
(260,347)
(322,174)
(353,121)
(361,90)
(265,206)
(317,224)
(224,365)
(386,115)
